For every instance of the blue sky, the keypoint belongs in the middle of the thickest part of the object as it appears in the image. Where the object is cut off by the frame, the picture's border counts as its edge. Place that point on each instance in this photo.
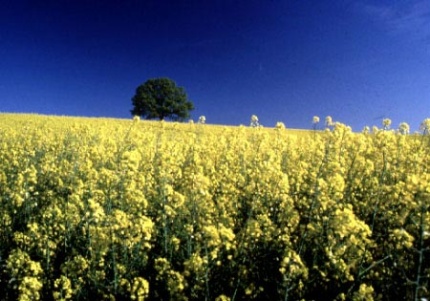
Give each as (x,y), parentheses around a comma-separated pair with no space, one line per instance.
(358,61)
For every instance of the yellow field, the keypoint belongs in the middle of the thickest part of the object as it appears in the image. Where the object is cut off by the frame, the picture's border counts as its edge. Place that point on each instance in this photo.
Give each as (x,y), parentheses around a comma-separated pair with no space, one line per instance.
(124,209)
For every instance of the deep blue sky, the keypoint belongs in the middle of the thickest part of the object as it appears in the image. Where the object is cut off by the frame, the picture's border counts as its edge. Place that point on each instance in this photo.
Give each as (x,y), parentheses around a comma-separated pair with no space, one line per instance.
(359,61)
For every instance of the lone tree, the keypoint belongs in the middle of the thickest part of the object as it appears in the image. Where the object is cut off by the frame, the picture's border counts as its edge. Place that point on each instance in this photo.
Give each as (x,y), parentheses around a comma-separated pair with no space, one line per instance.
(161,98)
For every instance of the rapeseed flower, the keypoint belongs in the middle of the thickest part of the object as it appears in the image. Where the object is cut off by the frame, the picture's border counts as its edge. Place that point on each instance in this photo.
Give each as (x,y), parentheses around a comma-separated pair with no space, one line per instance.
(386,123)
(329,121)
(198,210)
(425,126)
(254,121)
(139,289)
(404,128)
(202,119)
(280,125)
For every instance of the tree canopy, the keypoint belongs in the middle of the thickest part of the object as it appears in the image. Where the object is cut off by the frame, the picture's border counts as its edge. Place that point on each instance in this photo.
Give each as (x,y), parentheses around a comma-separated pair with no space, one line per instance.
(161,98)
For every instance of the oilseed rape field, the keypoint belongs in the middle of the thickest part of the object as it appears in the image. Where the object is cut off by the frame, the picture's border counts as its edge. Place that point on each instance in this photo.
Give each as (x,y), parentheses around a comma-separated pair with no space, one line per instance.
(116,209)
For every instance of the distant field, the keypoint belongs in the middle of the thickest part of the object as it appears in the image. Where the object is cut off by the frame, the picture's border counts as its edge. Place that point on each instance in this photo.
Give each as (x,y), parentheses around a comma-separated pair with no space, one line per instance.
(117,209)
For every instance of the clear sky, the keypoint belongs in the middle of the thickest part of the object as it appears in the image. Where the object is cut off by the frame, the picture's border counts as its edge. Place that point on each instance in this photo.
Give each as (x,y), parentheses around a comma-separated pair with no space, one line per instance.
(358,61)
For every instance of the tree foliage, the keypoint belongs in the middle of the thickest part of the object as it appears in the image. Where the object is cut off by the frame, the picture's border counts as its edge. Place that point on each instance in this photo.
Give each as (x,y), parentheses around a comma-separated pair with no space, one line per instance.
(161,98)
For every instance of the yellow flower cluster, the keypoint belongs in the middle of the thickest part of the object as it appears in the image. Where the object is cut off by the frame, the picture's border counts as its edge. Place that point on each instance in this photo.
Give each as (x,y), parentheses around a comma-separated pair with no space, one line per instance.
(25,275)
(129,209)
